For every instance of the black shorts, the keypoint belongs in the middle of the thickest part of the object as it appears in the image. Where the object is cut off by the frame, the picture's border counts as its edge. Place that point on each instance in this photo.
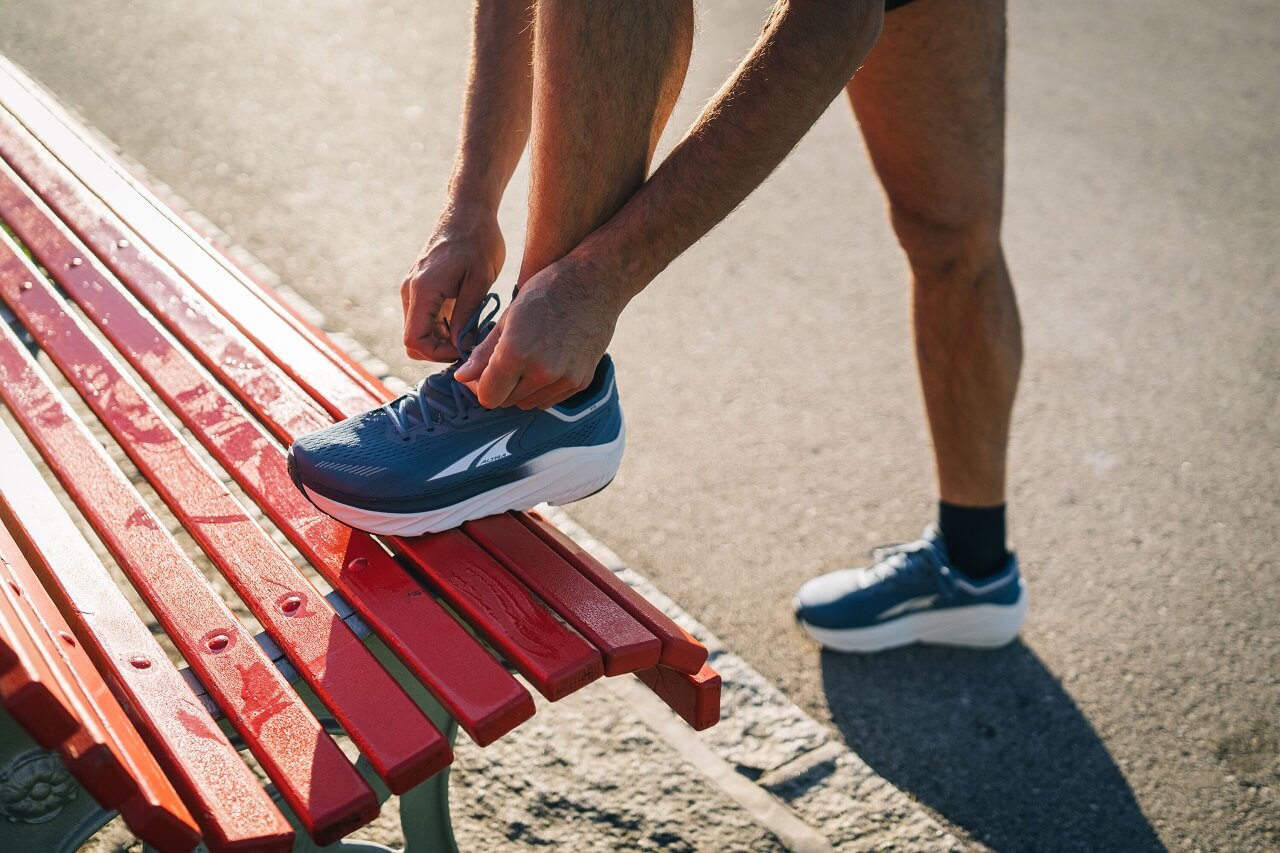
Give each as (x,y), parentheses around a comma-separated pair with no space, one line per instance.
(890,5)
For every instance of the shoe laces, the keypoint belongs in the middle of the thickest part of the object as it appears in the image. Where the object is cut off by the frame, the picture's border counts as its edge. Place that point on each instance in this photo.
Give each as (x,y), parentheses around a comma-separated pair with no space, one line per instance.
(898,563)
(441,396)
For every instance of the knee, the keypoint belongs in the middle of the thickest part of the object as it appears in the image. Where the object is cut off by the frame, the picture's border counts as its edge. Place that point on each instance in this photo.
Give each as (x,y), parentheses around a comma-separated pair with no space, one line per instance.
(948,244)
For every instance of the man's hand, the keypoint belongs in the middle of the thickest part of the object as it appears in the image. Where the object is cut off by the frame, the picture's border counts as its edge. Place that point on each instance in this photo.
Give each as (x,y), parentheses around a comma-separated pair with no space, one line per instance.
(455,270)
(547,344)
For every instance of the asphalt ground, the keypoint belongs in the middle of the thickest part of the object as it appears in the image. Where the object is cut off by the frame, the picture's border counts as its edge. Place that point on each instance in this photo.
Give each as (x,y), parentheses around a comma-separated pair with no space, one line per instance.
(775,428)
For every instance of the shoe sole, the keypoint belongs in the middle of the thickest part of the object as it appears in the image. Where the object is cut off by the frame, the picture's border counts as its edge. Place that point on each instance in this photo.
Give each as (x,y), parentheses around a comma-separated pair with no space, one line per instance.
(562,476)
(979,626)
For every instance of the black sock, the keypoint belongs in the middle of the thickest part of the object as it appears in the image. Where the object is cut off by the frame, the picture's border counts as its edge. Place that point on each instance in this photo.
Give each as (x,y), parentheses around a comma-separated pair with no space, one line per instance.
(975,538)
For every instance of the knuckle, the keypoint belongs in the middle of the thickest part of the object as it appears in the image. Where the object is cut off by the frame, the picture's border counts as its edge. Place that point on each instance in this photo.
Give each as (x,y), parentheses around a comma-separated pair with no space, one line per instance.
(542,373)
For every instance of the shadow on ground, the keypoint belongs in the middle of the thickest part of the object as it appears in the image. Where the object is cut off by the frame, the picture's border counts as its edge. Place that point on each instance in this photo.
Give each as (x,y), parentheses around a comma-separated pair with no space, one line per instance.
(989,740)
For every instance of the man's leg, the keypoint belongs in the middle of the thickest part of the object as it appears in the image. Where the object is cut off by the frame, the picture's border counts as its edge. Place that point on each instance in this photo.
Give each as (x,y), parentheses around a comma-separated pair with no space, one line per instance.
(606,75)
(931,103)
(930,100)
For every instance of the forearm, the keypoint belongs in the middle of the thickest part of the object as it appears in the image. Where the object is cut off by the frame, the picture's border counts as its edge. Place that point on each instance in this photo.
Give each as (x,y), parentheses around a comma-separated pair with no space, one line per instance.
(498,106)
(805,56)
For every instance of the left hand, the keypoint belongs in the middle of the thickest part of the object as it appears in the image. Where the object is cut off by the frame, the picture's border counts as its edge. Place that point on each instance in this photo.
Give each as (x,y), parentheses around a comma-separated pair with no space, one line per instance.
(547,344)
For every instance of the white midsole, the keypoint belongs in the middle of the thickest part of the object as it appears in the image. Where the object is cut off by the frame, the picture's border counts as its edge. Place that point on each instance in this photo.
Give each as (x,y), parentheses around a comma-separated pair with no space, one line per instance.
(559,477)
(980,626)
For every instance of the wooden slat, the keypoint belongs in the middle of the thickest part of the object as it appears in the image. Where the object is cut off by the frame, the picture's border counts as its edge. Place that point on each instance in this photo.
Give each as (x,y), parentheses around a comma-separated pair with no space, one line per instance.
(468,681)
(274,331)
(86,751)
(554,659)
(313,775)
(696,698)
(144,796)
(228,353)
(233,810)
(474,687)
(28,689)
(401,743)
(680,650)
(624,643)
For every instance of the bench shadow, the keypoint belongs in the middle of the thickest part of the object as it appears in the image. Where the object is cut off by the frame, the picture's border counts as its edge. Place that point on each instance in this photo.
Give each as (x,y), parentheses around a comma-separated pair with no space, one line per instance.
(991,741)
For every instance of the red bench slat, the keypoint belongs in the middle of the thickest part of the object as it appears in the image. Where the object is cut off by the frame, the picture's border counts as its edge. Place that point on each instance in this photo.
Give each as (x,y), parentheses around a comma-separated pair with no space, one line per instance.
(323,788)
(272,331)
(86,750)
(468,681)
(680,650)
(220,789)
(28,689)
(400,741)
(554,659)
(150,805)
(473,686)
(625,645)
(230,355)
(696,698)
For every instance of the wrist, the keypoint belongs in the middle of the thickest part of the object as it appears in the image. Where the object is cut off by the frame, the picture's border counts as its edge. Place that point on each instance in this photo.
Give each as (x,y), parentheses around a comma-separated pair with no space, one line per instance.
(465,214)
(624,263)
(475,191)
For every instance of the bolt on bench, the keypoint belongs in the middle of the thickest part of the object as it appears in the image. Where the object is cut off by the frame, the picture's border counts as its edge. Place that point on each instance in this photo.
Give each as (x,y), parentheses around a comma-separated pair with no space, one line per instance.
(201,376)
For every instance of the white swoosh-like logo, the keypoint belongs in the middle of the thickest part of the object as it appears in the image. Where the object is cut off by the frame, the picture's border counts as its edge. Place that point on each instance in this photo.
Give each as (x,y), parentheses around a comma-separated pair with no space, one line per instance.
(488,453)
(907,606)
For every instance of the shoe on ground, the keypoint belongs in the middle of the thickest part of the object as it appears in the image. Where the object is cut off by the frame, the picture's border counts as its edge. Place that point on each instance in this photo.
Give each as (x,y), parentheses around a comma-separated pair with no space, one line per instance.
(434,458)
(912,594)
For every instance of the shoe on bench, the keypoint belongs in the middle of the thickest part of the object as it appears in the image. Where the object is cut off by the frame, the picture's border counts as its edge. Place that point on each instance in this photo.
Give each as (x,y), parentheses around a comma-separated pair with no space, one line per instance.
(434,458)
(912,594)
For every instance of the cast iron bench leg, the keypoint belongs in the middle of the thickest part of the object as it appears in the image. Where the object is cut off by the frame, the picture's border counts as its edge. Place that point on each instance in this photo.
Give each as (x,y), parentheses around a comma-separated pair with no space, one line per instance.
(425,819)
(41,806)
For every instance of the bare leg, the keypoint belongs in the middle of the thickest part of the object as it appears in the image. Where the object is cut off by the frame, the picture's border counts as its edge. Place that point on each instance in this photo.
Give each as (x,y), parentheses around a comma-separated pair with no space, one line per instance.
(606,75)
(930,101)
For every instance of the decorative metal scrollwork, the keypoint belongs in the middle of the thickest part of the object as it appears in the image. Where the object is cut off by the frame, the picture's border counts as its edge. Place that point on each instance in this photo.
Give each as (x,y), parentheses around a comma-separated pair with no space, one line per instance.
(35,787)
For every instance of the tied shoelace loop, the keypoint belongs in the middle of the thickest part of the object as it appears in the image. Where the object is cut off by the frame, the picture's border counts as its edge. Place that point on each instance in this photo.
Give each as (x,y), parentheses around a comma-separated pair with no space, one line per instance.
(440,395)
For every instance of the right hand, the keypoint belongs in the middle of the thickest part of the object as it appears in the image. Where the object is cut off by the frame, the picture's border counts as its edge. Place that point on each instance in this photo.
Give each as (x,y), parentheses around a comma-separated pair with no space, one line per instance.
(451,276)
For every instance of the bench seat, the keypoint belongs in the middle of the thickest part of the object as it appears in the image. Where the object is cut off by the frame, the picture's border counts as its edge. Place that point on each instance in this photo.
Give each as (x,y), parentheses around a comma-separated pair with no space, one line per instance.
(200,376)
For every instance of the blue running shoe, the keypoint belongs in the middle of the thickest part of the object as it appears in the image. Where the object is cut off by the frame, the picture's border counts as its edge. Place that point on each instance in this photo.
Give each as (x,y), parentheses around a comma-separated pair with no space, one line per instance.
(434,458)
(912,595)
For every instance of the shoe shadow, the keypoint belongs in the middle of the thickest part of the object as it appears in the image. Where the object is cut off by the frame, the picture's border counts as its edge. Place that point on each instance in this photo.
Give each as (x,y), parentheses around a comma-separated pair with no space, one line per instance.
(991,741)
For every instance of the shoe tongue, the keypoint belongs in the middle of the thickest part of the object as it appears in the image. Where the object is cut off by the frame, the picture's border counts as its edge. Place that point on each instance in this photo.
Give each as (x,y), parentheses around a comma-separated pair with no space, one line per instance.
(438,387)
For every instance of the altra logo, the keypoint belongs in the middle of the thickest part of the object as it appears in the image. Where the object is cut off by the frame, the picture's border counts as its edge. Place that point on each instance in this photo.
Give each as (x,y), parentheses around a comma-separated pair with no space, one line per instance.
(907,606)
(491,452)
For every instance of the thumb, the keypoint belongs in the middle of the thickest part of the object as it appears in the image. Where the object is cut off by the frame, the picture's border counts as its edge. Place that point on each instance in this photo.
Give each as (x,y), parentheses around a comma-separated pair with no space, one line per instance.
(470,372)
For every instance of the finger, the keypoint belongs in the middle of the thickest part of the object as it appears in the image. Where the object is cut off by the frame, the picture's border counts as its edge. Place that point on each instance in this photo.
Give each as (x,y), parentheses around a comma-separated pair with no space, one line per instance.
(550,395)
(527,388)
(423,305)
(500,377)
(473,368)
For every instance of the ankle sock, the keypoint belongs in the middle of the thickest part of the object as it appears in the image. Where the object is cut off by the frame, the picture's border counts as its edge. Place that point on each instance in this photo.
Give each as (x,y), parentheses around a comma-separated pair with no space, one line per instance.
(975,538)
